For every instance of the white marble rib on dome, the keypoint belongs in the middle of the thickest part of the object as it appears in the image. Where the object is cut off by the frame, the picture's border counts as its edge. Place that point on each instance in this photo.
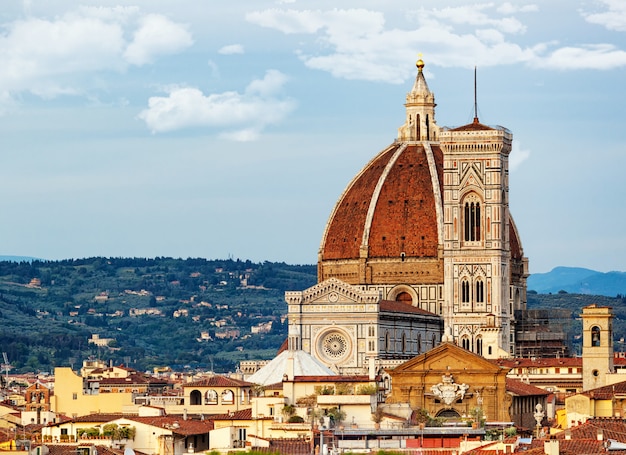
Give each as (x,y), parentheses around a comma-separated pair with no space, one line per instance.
(303,365)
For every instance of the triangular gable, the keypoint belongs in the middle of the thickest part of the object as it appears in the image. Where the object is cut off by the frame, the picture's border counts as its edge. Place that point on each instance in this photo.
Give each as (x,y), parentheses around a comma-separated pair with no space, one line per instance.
(336,291)
(471,175)
(446,356)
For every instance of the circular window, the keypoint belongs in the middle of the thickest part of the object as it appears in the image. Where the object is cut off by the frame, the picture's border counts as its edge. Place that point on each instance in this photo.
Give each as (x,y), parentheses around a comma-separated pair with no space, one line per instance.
(334,346)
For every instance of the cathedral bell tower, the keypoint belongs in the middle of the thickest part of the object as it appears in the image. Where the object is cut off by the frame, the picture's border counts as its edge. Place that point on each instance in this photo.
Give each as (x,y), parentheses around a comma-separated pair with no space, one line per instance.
(478,313)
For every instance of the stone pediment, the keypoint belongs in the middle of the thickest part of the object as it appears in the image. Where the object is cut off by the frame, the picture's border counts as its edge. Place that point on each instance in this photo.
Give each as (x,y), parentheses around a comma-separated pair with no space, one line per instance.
(446,357)
(336,291)
(471,175)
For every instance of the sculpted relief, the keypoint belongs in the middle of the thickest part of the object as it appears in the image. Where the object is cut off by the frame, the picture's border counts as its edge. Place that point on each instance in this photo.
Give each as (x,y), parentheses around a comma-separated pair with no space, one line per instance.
(449,391)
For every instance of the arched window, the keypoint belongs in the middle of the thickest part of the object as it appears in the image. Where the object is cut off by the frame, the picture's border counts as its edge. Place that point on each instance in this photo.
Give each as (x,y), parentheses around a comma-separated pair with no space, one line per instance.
(471,220)
(479,346)
(404,297)
(228,397)
(480,291)
(465,343)
(210,397)
(195,398)
(595,336)
(417,126)
(465,291)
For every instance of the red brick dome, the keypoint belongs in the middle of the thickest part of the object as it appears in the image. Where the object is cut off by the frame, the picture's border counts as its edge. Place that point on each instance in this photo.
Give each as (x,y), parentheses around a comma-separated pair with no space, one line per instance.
(387,225)
(389,212)
(389,209)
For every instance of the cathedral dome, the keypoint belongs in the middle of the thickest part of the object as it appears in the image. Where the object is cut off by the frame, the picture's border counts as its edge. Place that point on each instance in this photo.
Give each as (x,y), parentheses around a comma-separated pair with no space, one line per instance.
(389,224)
(388,213)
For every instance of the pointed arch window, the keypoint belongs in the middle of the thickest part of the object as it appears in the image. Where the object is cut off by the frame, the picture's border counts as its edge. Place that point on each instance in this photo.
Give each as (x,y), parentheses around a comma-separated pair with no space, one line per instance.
(479,346)
(465,291)
(471,213)
(465,343)
(480,291)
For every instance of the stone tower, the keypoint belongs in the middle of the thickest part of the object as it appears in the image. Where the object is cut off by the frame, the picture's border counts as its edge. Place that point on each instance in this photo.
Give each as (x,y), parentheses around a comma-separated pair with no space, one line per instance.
(597,346)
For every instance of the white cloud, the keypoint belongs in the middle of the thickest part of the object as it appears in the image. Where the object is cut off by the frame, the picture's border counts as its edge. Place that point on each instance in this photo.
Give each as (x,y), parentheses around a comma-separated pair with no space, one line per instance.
(157,35)
(518,156)
(599,56)
(471,15)
(52,57)
(338,23)
(613,19)
(356,44)
(243,116)
(231,49)
(509,8)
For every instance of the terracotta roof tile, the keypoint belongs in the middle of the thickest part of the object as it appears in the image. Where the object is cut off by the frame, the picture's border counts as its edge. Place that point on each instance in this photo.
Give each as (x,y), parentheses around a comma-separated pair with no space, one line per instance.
(176,424)
(606,392)
(219,381)
(393,306)
(244,414)
(520,388)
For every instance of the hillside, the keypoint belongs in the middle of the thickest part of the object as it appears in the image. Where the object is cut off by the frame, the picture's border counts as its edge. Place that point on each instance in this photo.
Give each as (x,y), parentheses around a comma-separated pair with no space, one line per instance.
(162,311)
(183,313)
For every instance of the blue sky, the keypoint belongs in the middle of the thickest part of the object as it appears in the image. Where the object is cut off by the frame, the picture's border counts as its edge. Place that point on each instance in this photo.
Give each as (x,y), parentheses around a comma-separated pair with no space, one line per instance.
(219,129)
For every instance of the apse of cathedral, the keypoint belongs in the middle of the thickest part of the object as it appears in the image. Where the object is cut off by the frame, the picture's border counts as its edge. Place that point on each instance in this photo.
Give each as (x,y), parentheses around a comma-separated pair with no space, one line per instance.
(419,249)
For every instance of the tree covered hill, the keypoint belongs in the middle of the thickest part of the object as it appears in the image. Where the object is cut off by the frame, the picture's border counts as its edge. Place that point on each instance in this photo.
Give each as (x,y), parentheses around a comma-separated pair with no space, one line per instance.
(157,312)
(182,313)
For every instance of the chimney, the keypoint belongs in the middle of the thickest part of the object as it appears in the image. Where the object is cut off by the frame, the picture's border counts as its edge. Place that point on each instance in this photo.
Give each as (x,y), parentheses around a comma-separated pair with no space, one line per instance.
(600,435)
(290,366)
(551,447)
(568,434)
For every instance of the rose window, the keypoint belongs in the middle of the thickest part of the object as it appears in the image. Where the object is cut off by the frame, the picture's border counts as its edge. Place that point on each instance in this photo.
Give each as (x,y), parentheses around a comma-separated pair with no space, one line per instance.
(334,345)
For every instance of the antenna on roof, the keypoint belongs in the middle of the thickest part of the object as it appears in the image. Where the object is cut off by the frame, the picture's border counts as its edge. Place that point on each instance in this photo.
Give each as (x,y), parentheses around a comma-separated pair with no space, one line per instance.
(475,99)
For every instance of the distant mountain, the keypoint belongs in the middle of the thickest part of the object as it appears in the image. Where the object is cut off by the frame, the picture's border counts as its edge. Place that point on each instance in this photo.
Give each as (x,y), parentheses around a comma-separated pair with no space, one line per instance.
(575,280)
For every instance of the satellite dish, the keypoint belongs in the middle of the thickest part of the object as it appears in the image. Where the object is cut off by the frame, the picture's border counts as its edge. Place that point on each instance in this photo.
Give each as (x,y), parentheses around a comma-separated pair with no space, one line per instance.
(129,451)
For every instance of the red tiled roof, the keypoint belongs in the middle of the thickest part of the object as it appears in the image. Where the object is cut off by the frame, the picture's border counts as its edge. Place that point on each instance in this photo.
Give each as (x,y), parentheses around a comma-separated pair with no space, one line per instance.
(606,392)
(474,126)
(244,414)
(219,381)
(393,306)
(176,424)
(520,388)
